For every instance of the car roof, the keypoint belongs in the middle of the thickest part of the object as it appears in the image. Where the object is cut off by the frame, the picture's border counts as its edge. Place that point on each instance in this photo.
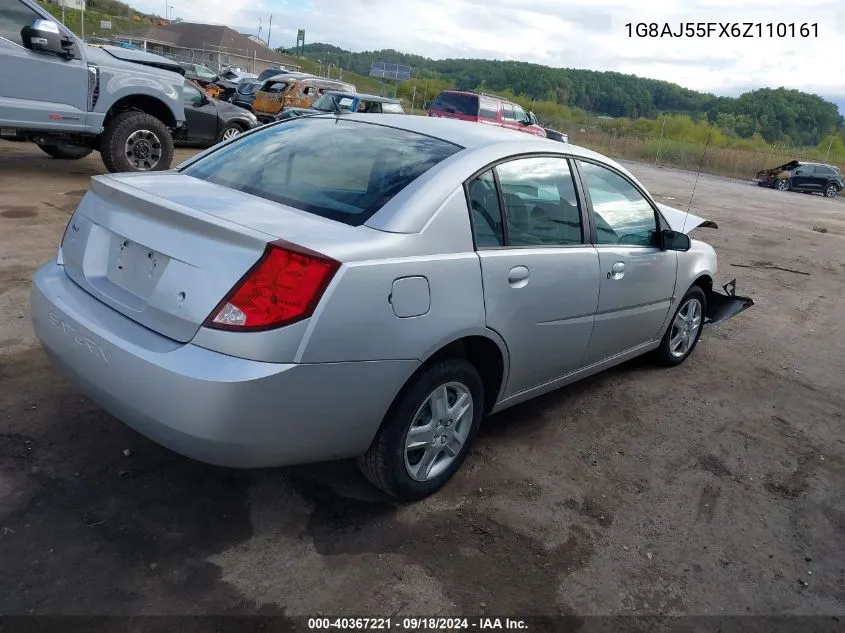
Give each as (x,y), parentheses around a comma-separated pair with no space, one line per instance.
(358,95)
(470,135)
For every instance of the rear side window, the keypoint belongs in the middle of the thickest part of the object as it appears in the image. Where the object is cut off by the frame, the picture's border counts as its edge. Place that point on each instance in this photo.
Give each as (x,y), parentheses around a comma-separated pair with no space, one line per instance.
(337,169)
(486,212)
(489,108)
(507,111)
(825,171)
(456,103)
(540,202)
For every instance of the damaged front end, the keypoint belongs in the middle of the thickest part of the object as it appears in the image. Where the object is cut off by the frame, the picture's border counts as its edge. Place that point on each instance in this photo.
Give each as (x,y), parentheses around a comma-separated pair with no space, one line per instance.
(722,306)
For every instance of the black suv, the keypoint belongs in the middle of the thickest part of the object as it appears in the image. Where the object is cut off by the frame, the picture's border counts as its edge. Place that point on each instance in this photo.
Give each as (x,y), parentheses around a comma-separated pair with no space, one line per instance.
(805,177)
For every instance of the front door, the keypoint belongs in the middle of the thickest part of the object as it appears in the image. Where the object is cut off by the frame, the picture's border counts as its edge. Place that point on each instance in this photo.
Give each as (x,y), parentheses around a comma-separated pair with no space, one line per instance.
(39,90)
(804,178)
(201,120)
(637,276)
(540,276)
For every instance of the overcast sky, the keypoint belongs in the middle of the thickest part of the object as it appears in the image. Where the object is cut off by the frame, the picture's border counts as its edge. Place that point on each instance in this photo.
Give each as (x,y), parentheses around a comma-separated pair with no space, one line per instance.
(565,33)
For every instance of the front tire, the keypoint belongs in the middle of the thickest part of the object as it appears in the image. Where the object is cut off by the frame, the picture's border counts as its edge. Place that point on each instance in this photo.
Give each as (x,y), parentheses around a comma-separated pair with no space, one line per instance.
(831,191)
(784,184)
(64,151)
(229,132)
(684,330)
(427,432)
(136,141)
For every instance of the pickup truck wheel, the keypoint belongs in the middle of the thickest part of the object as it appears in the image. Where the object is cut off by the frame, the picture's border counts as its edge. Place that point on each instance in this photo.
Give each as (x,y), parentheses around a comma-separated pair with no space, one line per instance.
(136,141)
(66,152)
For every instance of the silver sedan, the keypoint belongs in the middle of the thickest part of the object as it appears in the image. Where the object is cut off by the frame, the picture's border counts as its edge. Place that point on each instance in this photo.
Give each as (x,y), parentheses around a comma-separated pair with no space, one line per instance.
(365,286)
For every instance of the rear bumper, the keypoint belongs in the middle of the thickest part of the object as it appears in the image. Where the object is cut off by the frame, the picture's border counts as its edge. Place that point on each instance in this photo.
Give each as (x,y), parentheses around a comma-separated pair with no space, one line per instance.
(206,405)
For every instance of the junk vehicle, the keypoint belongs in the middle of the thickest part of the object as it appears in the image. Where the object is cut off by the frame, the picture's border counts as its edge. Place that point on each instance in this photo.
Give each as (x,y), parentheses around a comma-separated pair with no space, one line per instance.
(369,286)
(337,102)
(285,91)
(804,177)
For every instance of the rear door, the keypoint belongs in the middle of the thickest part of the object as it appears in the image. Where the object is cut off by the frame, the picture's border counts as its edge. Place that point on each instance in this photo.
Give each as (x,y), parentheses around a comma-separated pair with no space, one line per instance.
(805,178)
(39,90)
(540,277)
(637,276)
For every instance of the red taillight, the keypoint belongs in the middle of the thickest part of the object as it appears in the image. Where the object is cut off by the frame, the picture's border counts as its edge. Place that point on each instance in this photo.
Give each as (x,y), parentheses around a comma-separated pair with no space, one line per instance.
(283,287)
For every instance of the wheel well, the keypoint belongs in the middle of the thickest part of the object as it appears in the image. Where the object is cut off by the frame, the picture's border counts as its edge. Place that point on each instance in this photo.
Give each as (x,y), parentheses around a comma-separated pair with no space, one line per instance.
(143,103)
(705,282)
(485,356)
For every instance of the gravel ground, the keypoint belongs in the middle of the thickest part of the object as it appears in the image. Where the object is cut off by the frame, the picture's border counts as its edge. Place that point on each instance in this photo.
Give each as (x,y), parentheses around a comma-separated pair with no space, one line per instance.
(714,488)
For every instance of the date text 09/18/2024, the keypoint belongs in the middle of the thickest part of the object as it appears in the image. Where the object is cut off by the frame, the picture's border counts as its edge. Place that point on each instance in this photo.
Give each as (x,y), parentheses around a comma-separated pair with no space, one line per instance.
(723,29)
(417,624)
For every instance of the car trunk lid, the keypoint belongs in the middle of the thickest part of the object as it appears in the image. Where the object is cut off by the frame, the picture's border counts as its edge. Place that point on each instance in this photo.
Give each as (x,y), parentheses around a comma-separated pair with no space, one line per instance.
(164,249)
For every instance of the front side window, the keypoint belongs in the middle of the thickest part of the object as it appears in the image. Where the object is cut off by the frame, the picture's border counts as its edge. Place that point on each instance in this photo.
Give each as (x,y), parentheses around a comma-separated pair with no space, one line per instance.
(540,202)
(507,111)
(338,169)
(191,96)
(15,15)
(520,115)
(622,214)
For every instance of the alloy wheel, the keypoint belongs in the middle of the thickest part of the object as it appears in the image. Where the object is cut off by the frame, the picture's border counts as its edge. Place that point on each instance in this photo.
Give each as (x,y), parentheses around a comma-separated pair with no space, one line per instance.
(438,431)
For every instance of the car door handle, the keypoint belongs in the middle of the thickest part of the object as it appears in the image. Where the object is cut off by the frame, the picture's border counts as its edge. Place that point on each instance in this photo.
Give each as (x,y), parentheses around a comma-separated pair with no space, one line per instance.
(617,271)
(518,276)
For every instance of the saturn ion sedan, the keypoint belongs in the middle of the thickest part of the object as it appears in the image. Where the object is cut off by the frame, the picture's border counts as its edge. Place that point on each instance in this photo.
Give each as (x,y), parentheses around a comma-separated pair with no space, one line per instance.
(365,286)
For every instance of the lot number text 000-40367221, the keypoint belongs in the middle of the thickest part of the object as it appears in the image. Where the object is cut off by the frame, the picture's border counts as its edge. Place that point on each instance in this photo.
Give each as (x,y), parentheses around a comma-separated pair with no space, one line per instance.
(723,29)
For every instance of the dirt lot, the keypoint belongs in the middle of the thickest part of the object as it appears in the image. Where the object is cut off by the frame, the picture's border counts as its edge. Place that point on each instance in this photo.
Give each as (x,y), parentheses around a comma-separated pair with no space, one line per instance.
(714,488)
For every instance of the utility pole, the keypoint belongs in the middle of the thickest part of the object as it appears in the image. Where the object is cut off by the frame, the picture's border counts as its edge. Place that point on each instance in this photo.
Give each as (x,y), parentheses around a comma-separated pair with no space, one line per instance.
(829,145)
(660,141)
(269,28)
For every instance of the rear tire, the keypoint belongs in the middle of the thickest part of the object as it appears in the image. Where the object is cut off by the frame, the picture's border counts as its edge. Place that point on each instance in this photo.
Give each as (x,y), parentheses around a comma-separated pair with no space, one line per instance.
(64,151)
(410,465)
(136,141)
(684,330)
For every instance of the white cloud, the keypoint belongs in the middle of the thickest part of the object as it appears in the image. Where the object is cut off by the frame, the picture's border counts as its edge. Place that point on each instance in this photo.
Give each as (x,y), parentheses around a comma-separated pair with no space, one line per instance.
(567,33)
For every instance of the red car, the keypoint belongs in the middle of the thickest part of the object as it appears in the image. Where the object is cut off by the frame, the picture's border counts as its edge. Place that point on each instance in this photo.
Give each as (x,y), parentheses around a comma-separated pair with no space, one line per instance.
(481,107)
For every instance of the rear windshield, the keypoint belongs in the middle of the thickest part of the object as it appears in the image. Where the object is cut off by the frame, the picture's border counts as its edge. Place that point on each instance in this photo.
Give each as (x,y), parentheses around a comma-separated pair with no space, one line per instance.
(456,103)
(270,72)
(338,169)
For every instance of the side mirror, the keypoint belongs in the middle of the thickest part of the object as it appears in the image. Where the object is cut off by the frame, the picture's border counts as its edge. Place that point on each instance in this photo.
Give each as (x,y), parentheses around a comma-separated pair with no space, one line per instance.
(674,241)
(44,36)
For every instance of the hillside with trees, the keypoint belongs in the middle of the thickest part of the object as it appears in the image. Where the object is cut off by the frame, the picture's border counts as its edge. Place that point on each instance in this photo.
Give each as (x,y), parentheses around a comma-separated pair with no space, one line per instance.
(778,116)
